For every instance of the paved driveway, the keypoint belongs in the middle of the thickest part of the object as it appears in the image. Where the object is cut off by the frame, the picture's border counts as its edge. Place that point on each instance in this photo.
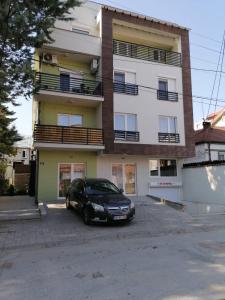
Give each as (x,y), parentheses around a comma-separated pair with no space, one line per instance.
(164,254)
(65,226)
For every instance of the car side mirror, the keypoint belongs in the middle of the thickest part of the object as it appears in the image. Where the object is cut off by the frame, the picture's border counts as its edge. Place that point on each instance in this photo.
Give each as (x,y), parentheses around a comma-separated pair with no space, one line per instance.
(121,191)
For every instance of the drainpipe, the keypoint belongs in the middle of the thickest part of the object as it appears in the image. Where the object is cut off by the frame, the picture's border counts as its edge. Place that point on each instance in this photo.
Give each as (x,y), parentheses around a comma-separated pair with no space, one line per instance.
(209,152)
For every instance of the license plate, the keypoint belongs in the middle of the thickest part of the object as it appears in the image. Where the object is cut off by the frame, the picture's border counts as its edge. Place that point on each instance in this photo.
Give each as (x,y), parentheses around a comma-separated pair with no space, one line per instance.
(119,217)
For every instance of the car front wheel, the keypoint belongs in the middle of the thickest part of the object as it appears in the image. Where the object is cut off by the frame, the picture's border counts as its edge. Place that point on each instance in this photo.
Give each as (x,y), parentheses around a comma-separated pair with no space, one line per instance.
(86,216)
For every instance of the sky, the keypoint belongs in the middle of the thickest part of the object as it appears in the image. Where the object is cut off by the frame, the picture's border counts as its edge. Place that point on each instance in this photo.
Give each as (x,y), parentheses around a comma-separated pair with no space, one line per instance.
(206,19)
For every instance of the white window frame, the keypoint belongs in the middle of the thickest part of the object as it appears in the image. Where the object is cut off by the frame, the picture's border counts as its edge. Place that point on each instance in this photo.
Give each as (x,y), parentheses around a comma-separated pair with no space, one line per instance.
(126,115)
(164,80)
(68,163)
(69,117)
(168,124)
(159,172)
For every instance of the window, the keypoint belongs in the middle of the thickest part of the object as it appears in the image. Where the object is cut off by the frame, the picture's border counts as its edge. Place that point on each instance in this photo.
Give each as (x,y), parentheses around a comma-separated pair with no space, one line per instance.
(221,155)
(125,122)
(70,120)
(163,167)
(78,30)
(125,126)
(167,124)
(163,85)
(119,77)
(24,154)
(154,167)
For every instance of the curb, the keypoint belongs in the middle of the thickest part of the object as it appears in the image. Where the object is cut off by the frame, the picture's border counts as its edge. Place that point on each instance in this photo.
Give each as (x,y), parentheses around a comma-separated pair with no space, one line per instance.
(42,209)
(174,204)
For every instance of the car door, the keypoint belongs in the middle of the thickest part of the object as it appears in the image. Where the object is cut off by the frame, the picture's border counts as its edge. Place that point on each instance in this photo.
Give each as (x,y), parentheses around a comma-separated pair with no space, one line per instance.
(79,194)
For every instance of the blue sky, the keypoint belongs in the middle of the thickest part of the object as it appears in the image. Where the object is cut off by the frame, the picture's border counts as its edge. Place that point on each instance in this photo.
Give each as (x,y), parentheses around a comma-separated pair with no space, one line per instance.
(207,23)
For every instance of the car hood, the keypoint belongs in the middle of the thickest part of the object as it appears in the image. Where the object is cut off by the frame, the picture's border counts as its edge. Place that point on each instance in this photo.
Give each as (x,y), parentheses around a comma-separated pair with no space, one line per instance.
(109,199)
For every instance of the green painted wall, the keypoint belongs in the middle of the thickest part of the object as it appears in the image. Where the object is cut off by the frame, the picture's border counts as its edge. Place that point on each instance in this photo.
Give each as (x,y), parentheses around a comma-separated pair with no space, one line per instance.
(69,64)
(48,169)
(49,111)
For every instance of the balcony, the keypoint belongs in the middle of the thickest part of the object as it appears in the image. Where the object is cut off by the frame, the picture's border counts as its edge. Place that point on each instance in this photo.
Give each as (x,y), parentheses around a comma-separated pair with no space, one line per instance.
(168,96)
(146,53)
(76,42)
(125,88)
(131,136)
(168,137)
(52,136)
(66,87)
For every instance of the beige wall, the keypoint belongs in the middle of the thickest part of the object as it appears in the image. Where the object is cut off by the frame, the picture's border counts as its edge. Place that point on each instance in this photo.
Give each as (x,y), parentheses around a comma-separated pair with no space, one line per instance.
(146,105)
(50,111)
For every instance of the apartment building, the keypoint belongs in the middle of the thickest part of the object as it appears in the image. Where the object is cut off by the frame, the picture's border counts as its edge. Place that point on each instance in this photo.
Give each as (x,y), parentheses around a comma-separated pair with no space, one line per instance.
(114,102)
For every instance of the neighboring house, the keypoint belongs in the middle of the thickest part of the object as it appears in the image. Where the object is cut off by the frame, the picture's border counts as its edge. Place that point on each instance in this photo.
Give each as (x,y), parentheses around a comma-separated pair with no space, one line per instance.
(18,166)
(114,102)
(210,139)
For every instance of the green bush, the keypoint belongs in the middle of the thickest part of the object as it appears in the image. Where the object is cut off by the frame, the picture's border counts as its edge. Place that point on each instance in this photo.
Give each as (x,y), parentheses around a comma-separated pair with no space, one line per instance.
(4,185)
(11,190)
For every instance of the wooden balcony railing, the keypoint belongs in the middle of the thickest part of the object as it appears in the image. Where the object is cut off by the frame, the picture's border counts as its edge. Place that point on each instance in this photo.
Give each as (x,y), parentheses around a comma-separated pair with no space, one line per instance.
(67,135)
(168,137)
(168,96)
(65,84)
(131,136)
(146,53)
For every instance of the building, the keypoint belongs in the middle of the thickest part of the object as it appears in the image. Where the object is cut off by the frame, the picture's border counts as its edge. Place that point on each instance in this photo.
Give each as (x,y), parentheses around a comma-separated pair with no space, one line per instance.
(114,102)
(210,139)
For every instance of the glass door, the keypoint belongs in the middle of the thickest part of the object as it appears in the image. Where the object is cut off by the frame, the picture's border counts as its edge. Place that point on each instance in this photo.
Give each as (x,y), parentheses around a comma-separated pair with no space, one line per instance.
(64,179)
(117,175)
(67,173)
(124,177)
(130,179)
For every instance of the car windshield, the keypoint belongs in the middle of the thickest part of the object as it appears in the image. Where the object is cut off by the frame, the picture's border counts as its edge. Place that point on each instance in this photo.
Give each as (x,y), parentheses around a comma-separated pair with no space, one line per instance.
(101,187)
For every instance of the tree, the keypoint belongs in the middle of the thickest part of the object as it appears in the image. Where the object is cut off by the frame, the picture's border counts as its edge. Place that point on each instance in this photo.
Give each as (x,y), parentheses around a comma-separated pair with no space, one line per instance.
(24,26)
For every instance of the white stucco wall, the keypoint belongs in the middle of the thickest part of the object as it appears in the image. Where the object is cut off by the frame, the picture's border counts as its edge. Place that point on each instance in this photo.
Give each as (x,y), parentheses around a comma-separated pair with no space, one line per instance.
(144,183)
(145,104)
(204,185)
(84,17)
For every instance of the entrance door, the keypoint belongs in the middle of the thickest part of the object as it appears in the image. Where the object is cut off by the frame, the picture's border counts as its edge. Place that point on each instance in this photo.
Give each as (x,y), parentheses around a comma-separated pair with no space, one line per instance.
(67,173)
(124,176)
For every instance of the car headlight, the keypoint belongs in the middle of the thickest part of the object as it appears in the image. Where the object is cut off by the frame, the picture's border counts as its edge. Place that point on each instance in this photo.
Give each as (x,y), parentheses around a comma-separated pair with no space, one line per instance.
(97,207)
(131,204)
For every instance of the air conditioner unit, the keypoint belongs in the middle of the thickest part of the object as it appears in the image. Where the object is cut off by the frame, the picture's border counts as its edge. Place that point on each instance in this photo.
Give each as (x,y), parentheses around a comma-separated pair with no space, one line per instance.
(94,65)
(50,59)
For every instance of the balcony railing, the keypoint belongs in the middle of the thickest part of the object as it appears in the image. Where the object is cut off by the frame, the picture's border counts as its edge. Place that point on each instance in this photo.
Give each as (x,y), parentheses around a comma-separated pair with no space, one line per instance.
(65,84)
(131,136)
(67,135)
(169,137)
(146,53)
(125,88)
(165,95)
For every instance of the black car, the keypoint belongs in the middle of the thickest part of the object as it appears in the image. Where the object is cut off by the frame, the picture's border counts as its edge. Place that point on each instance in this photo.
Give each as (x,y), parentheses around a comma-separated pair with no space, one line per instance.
(99,200)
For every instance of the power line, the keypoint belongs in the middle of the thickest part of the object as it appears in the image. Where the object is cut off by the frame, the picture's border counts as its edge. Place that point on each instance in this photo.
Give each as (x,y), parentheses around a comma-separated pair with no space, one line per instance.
(221,68)
(217,69)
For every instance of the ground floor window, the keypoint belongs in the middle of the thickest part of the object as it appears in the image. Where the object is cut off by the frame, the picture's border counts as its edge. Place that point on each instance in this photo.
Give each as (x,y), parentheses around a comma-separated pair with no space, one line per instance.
(68,172)
(124,177)
(163,167)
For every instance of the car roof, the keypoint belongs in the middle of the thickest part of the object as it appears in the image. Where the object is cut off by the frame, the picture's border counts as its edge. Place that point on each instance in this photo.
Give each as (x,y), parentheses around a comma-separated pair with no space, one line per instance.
(91,180)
